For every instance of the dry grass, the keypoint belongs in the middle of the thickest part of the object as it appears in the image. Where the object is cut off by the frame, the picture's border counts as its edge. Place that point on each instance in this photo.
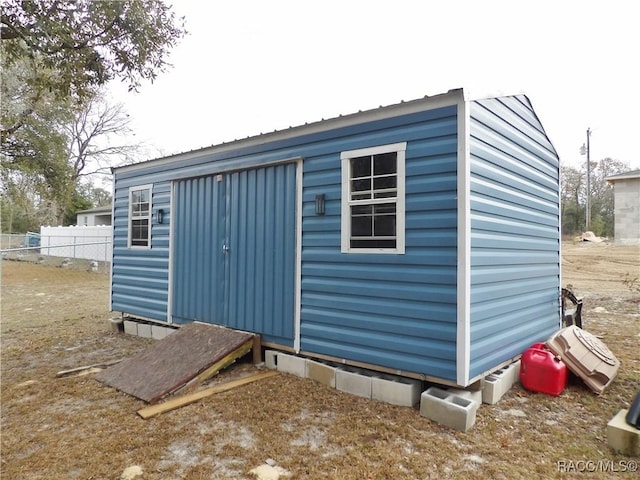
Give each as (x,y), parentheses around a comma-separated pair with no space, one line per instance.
(76,428)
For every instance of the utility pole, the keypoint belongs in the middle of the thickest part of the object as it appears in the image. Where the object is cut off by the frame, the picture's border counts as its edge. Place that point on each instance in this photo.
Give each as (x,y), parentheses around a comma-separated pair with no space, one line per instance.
(587,150)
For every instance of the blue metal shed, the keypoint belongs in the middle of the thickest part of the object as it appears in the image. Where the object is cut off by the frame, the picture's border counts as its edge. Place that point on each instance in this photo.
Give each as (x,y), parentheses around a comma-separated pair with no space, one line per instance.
(421,238)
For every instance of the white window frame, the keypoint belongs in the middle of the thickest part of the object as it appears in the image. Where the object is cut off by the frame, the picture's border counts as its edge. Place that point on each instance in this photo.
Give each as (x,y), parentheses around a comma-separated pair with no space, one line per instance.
(399,200)
(148,216)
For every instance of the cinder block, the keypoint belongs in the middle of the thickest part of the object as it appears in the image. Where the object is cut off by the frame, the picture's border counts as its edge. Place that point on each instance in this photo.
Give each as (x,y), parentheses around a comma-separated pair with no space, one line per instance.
(353,381)
(515,371)
(158,332)
(396,390)
(500,382)
(292,364)
(622,437)
(448,409)
(322,373)
(473,395)
(131,327)
(115,325)
(144,330)
(271,359)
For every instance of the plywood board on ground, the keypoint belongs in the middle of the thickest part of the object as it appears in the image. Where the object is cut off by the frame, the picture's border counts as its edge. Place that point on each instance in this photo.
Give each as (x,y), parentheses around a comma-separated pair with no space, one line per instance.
(170,363)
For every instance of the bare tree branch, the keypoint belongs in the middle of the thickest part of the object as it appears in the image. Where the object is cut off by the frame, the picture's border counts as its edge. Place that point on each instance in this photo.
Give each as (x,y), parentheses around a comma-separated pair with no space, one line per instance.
(93,138)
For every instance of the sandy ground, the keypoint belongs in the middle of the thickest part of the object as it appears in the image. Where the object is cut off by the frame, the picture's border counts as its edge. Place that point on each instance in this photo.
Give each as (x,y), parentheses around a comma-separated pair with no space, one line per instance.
(76,428)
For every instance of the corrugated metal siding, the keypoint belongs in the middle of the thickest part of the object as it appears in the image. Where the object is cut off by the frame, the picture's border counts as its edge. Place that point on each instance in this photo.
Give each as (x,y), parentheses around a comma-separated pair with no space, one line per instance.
(396,311)
(515,264)
(199,234)
(140,280)
(250,286)
(261,230)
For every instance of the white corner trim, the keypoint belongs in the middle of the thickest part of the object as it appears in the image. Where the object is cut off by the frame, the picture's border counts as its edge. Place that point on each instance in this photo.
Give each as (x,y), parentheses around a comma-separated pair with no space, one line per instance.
(298,266)
(113,236)
(463,343)
(171,254)
(559,226)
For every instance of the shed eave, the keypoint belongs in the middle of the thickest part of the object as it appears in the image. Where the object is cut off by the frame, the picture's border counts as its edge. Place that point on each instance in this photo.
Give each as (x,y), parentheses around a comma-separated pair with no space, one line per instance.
(452,97)
(624,176)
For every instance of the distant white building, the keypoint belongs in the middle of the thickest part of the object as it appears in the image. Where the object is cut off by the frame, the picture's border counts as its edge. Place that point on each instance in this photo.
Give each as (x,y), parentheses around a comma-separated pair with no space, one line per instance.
(626,192)
(94,216)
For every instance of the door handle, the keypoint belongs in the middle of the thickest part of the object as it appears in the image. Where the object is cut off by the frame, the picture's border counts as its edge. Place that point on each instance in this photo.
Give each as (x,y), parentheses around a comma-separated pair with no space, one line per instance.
(225,248)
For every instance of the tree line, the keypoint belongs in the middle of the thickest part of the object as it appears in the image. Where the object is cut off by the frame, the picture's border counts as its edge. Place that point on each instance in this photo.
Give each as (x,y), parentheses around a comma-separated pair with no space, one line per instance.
(58,131)
(573,196)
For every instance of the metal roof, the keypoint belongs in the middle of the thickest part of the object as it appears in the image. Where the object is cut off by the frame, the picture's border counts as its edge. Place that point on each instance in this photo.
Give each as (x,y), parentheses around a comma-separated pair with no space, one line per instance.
(624,176)
(427,102)
(103,209)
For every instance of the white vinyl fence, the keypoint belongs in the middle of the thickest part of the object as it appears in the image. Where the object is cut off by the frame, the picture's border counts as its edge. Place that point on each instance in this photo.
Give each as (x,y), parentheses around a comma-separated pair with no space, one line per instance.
(90,243)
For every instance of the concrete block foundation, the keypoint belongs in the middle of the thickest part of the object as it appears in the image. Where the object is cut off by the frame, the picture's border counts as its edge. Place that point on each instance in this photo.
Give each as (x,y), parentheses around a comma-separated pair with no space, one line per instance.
(500,382)
(354,382)
(321,373)
(271,359)
(144,330)
(115,325)
(448,409)
(473,395)
(622,437)
(130,327)
(395,390)
(158,332)
(291,364)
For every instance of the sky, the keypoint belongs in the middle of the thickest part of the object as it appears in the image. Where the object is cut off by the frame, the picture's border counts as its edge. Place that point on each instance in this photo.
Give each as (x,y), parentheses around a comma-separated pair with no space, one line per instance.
(249,67)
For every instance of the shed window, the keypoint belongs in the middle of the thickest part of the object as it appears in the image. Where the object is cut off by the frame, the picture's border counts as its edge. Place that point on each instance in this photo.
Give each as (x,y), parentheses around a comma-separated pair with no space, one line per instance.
(140,216)
(373,199)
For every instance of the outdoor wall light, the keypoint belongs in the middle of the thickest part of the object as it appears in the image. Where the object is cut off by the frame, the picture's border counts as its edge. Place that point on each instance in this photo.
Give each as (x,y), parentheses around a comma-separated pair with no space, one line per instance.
(159,215)
(320,204)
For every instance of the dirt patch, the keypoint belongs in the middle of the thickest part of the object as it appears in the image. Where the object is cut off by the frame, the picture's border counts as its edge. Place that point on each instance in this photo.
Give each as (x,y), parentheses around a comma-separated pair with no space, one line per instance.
(76,428)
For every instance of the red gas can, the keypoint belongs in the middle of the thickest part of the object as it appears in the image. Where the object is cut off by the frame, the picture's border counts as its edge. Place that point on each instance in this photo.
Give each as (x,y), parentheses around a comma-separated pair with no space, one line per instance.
(541,371)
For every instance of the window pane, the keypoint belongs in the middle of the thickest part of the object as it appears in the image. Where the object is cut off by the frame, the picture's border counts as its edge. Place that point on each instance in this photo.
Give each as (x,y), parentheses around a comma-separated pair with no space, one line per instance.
(384,163)
(361,209)
(373,243)
(384,225)
(135,196)
(144,209)
(360,167)
(361,222)
(380,183)
(361,196)
(363,184)
(385,194)
(361,226)
(385,208)
(140,232)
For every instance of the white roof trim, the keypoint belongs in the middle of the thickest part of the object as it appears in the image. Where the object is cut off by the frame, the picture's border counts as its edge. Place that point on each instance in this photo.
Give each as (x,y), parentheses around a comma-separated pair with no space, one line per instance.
(624,176)
(452,97)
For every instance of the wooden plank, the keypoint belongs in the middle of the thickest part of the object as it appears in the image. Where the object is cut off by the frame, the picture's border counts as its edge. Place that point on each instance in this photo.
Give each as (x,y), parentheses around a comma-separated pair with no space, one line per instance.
(64,373)
(225,361)
(257,349)
(169,405)
(216,367)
